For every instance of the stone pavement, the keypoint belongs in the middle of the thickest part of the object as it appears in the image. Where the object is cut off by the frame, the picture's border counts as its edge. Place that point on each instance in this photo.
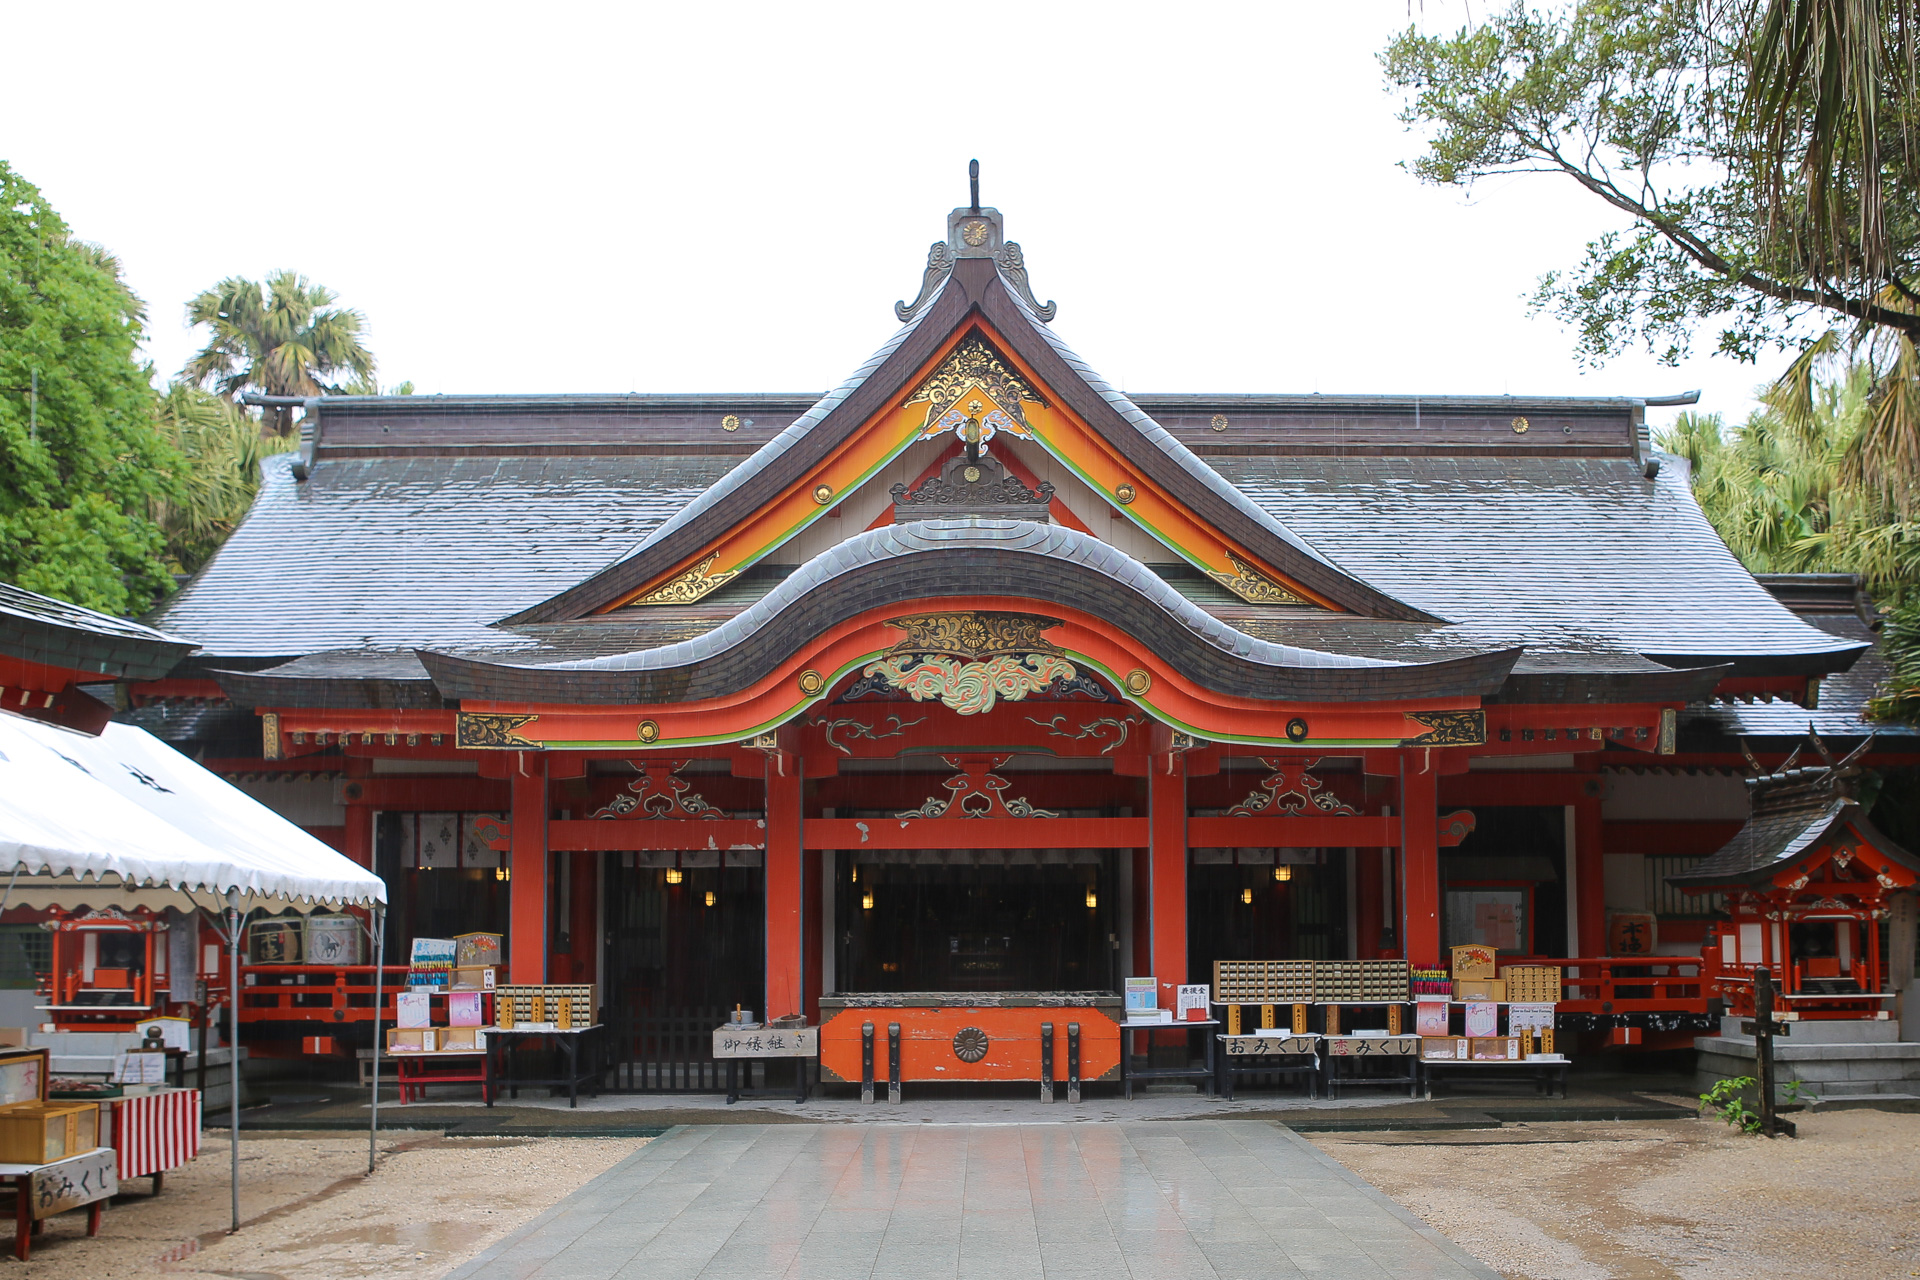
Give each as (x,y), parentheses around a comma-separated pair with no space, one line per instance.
(1230,1198)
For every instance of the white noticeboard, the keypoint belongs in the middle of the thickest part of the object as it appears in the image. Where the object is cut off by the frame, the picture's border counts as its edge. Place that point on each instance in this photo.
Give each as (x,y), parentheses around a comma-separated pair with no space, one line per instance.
(175,1033)
(736,1042)
(138,1066)
(415,1008)
(1191,1001)
(1529,1017)
(1142,994)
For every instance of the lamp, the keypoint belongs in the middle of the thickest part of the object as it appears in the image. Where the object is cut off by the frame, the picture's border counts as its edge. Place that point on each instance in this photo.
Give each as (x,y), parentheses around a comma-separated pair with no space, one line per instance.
(709,897)
(1093,899)
(503,873)
(675,875)
(1246,896)
(1283,872)
(854,877)
(866,900)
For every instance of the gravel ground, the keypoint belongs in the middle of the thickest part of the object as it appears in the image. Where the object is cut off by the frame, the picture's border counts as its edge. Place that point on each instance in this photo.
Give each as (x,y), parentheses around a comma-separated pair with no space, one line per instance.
(1654,1200)
(311,1213)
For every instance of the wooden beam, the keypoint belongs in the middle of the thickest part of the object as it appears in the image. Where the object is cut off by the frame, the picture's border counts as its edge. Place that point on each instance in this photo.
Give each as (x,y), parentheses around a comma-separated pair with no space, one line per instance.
(976,833)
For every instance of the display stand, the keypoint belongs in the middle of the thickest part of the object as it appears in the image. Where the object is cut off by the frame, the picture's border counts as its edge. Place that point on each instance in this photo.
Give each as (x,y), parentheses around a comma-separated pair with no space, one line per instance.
(1544,1072)
(1129,1073)
(418,1071)
(575,1043)
(85,1181)
(1288,1055)
(1345,1056)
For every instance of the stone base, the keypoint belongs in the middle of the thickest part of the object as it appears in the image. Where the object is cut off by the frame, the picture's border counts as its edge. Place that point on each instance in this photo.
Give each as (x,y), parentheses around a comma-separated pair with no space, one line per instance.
(1824,1064)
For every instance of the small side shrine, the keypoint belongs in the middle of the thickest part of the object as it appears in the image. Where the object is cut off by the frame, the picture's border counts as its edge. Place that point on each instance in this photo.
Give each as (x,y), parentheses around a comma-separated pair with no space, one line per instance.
(1806,882)
(108,971)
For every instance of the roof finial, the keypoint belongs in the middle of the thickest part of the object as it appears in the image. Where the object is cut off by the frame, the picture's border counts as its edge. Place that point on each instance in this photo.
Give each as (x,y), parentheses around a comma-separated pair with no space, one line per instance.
(973,181)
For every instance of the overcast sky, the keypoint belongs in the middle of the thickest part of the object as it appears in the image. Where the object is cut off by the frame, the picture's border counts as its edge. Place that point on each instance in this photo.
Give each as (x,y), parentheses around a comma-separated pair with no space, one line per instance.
(686,197)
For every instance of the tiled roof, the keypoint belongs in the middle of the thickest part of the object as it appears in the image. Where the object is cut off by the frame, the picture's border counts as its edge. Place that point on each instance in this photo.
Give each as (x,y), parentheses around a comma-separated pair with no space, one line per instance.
(958,558)
(49,632)
(394,552)
(1563,555)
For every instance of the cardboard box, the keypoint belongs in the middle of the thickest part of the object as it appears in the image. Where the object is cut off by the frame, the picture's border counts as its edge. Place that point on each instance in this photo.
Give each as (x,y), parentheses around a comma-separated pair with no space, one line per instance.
(42,1132)
(1495,1048)
(414,1039)
(474,977)
(1443,1048)
(463,1040)
(13,1037)
(1474,960)
(1480,989)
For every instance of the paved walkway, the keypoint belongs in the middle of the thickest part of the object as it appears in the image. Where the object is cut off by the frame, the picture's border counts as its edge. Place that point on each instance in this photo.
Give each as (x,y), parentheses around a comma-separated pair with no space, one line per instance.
(1231,1198)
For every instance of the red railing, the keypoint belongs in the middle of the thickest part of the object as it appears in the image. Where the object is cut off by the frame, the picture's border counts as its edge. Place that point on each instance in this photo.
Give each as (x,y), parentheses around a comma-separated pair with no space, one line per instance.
(331,994)
(1631,984)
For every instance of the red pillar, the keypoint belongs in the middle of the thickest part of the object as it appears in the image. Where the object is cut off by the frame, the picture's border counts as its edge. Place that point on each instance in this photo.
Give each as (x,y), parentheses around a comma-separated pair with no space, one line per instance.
(357,838)
(527,945)
(1590,869)
(1367,902)
(786,939)
(1420,858)
(1167,832)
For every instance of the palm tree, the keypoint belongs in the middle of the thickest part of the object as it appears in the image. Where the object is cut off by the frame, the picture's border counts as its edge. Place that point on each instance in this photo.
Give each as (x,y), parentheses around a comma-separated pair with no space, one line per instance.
(222,446)
(283,339)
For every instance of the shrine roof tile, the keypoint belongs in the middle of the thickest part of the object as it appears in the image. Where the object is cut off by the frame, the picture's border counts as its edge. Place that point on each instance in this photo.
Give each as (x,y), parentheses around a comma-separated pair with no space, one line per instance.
(54,633)
(388,553)
(1581,555)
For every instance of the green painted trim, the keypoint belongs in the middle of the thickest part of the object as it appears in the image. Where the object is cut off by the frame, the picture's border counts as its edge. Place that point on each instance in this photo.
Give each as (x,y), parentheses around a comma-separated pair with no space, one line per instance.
(720,739)
(1165,541)
(1282,743)
(846,492)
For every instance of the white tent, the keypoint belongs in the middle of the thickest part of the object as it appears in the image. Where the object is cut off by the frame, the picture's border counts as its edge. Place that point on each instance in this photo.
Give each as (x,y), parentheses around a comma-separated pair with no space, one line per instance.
(123,820)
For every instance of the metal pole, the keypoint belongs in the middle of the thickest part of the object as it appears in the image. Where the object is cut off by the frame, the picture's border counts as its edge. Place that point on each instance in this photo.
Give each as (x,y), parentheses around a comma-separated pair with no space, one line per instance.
(379,1005)
(233,1044)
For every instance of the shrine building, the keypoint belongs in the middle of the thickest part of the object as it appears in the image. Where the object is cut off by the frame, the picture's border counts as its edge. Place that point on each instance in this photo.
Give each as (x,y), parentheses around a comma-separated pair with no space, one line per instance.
(977,680)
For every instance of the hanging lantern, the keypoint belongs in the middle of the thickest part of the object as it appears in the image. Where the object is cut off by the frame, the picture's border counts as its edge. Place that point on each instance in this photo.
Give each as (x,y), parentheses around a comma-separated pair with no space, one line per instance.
(709,897)
(502,873)
(855,876)
(866,900)
(1246,896)
(675,875)
(1283,873)
(1093,899)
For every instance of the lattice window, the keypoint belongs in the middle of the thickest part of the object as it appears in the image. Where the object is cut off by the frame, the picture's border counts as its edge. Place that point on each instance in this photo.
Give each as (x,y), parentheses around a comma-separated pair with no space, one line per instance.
(1670,903)
(26,950)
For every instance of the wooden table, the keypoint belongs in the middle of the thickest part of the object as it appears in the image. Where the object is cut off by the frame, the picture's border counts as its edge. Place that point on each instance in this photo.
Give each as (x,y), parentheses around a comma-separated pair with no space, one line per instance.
(41,1190)
(1356,1049)
(1129,1073)
(414,1077)
(1251,1055)
(571,1041)
(736,1043)
(1544,1073)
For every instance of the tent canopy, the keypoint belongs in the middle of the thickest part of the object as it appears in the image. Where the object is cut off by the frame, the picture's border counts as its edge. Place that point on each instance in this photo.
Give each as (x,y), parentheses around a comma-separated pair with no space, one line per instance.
(124,820)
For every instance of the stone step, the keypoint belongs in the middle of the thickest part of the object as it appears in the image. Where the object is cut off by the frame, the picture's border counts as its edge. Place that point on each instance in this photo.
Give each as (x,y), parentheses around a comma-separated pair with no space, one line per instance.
(1859,1101)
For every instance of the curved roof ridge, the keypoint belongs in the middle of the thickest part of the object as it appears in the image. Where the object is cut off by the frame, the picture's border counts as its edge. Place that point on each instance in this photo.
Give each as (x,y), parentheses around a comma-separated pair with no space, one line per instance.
(1167,442)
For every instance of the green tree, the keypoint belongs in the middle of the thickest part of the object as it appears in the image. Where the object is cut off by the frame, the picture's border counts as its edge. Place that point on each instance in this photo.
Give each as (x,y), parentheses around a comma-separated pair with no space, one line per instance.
(81,464)
(1715,129)
(282,338)
(221,447)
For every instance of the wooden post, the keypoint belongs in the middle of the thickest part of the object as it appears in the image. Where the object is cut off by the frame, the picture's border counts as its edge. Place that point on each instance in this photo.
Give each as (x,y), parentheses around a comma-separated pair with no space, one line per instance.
(1420,858)
(1167,832)
(1900,948)
(1590,868)
(786,940)
(1763,1046)
(527,944)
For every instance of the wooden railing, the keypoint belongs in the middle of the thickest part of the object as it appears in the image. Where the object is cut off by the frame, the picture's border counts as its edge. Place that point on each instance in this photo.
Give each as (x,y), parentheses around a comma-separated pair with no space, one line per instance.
(322,993)
(1631,984)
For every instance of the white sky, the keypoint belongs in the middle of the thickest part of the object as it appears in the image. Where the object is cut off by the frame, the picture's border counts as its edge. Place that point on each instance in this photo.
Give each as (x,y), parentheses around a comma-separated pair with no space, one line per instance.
(688,197)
